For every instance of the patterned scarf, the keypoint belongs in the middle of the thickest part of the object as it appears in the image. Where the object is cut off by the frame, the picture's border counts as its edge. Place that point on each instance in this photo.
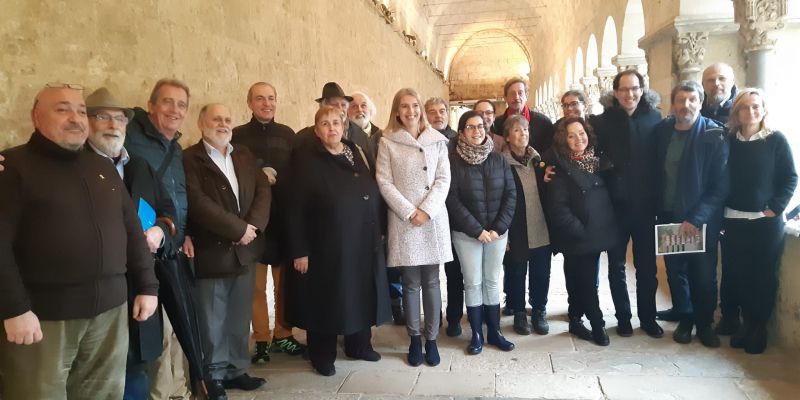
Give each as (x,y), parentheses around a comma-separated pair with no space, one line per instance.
(587,161)
(474,154)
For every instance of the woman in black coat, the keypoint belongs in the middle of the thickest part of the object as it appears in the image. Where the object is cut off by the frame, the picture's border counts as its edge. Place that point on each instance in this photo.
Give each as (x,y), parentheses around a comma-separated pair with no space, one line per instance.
(481,205)
(762,179)
(336,223)
(581,222)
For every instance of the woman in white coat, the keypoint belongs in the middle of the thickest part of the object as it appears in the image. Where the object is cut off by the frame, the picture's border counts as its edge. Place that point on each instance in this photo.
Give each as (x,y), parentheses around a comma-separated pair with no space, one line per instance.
(413,173)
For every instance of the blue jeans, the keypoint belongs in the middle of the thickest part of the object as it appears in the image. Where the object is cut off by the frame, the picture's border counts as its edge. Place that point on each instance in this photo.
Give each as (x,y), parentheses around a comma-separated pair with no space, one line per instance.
(538,270)
(480,264)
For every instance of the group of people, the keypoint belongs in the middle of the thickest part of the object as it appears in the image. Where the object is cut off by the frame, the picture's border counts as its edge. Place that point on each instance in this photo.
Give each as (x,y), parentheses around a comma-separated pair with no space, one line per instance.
(355,221)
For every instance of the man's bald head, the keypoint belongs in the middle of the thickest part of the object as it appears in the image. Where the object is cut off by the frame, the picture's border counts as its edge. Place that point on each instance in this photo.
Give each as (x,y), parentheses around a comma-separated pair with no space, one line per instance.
(718,81)
(59,114)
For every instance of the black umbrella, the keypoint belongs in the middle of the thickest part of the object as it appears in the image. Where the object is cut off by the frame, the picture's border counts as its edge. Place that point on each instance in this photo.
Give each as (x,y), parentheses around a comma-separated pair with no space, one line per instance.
(177,298)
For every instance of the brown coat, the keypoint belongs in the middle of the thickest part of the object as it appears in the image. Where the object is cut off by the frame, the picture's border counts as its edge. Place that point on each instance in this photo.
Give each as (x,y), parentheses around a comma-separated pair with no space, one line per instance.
(215,222)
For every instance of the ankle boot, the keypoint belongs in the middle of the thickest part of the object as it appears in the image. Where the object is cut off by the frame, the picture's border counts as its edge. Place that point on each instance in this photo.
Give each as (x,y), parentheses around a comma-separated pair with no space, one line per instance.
(539,321)
(521,323)
(577,328)
(599,334)
(742,335)
(475,317)
(493,334)
(431,353)
(415,351)
(756,342)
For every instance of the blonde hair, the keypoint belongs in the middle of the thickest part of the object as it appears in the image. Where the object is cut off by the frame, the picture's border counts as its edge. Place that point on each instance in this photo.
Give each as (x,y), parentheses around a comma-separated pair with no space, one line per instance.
(324,111)
(394,120)
(738,103)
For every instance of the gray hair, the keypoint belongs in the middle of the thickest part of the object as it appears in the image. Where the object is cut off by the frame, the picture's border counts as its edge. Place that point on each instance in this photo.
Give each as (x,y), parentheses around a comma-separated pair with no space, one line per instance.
(512,121)
(687,86)
(370,105)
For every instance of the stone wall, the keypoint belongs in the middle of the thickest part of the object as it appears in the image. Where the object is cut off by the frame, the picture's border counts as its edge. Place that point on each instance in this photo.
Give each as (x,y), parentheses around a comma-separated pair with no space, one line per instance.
(217,47)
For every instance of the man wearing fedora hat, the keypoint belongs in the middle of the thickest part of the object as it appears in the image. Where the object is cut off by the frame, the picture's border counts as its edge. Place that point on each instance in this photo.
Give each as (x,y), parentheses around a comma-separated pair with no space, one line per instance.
(107,123)
(333,95)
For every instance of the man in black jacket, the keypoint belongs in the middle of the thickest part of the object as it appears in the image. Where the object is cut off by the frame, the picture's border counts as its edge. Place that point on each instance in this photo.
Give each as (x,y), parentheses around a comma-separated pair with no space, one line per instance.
(272,144)
(89,228)
(541,128)
(625,137)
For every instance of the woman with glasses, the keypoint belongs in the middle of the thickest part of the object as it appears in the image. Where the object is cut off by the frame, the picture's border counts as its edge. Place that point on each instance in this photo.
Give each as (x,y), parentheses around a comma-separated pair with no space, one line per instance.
(481,205)
(762,179)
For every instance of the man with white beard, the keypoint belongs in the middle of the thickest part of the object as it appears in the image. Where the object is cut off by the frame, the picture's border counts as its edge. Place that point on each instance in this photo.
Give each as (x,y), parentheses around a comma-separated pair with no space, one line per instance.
(107,125)
(361,111)
(229,203)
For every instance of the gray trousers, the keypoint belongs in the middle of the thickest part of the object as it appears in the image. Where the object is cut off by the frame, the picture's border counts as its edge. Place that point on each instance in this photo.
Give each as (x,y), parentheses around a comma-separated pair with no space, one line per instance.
(225,313)
(426,278)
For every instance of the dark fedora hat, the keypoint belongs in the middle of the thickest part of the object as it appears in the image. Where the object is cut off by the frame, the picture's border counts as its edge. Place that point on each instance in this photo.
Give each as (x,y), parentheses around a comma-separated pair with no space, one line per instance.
(332,89)
(102,99)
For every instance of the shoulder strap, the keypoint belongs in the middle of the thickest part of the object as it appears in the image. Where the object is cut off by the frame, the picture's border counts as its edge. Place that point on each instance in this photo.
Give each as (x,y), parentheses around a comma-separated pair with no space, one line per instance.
(167,160)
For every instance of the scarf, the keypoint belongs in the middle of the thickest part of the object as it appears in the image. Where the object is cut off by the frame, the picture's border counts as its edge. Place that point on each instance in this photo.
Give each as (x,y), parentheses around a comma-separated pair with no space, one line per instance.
(526,112)
(587,161)
(529,155)
(474,154)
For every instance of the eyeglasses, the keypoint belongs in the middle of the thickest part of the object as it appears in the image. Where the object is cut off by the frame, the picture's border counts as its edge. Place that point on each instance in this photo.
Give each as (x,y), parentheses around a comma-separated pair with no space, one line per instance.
(473,128)
(485,113)
(572,104)
(107,118)
(633,89)
(59,85)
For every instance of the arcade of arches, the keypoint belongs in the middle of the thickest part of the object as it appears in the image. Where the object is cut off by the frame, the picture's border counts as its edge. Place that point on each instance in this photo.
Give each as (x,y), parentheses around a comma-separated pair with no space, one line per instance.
(461,50)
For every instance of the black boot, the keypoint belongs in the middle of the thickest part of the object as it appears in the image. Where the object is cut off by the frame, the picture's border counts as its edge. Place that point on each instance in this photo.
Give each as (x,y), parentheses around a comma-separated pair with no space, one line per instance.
(742,335)
(453,327)
(577,328)
(431,353)
(539,321)
(415,351)
(599,334)
(756,342)
(475,317)
(728,324)
(521,325)
(493,334)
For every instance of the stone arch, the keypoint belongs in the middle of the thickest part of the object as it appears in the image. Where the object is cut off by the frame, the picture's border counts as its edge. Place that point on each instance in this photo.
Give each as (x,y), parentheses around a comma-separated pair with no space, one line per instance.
(484,62)
(632,28)
(579,73)
(609,47)
(592,61)
(568,79)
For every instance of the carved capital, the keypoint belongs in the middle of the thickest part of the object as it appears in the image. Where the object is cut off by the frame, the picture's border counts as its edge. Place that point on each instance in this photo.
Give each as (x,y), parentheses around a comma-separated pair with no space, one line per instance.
(605,76)
(757,18)
(689,50)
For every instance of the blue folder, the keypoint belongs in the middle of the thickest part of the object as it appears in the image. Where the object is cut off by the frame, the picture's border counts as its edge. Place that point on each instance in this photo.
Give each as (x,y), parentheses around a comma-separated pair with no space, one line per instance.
(147,215)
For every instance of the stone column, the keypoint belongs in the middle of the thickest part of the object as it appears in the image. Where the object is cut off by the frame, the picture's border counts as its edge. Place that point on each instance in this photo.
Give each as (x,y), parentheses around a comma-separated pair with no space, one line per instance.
(605,77)
(689,49)
(757,19)
(592,90)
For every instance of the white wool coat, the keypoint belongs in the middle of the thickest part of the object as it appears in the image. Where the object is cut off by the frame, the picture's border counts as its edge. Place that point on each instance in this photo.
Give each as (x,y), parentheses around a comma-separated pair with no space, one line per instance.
(415,173)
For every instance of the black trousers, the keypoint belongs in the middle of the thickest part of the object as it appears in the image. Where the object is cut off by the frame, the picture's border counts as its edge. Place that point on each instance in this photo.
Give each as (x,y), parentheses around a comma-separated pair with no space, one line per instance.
(455,290)
(638,226)
(580,273)
(701,276)
(729,304)
(752,251)
(322,346)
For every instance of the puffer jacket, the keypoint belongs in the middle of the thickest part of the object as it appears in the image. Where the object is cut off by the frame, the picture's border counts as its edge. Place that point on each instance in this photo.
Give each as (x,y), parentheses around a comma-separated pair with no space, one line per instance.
(581,216)
(482,197)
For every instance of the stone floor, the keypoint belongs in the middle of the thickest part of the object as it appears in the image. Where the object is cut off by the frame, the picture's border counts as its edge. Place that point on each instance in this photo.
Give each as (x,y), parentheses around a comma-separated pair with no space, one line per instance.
(555,366)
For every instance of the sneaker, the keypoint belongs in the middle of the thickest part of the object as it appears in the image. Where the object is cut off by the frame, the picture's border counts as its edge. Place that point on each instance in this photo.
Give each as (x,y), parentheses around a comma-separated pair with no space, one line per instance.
(261,355)
(288,345)
(244,382)
(539,321)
